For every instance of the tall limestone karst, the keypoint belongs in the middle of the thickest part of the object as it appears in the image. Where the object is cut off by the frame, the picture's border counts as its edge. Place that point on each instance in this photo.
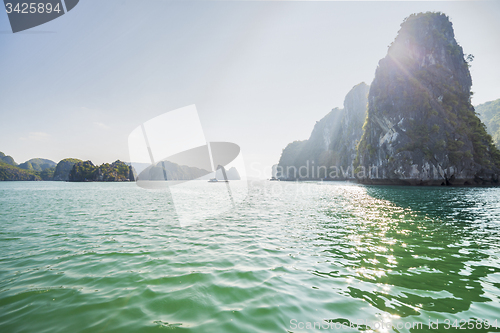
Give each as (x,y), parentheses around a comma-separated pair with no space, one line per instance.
(421,128)
(330,150)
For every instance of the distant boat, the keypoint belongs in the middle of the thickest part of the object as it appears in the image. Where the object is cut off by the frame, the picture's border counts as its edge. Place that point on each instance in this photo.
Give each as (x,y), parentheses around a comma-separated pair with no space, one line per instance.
(215,180)
(274,179)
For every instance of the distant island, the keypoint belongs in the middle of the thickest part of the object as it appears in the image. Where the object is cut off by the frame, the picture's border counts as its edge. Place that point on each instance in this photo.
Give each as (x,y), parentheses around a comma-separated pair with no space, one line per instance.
(76,170)
(34,169)
(69,169)
(414,125)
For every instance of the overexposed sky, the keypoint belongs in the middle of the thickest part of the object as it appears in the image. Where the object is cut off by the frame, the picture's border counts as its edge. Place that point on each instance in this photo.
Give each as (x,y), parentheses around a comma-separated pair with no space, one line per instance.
(260,73)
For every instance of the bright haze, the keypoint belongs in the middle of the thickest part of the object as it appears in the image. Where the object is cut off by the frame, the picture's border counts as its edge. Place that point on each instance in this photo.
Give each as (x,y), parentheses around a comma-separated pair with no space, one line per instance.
(260,73)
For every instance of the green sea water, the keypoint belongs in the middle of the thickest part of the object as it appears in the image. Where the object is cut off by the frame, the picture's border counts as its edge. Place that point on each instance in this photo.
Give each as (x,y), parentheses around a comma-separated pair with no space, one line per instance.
(110,257)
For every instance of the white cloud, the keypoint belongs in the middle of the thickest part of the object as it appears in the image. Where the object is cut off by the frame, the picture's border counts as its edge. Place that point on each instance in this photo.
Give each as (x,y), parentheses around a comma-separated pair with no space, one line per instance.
(36,136)
(101,125)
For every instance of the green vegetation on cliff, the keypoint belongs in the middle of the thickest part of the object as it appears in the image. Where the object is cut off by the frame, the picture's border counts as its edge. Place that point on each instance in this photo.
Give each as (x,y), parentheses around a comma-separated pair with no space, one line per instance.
(116,171)
(12,172)
(83,171)
(48,174)
(86,171)
(7,159)
(37,164)
(489,113)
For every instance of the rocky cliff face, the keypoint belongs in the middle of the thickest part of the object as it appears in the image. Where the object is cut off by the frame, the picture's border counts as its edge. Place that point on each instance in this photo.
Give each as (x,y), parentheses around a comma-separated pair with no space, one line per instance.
(64,167)
(421,127)
(344,144)
(331,148)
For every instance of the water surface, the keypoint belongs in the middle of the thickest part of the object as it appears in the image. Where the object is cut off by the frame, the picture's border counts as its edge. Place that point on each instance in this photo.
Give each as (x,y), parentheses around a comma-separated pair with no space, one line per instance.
(110,257)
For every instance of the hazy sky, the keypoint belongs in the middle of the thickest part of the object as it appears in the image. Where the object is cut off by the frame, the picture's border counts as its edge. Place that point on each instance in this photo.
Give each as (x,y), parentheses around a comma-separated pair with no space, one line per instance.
(260,73)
